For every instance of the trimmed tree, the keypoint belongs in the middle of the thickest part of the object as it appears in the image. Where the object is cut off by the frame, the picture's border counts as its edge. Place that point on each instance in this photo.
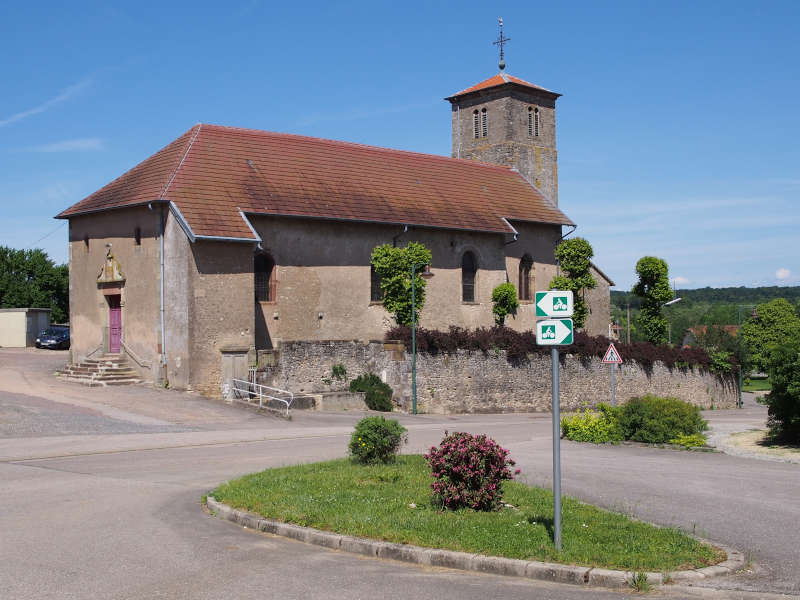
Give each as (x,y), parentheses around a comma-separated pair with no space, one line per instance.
(393,266)
(574,259)
(504,299)
(653,288)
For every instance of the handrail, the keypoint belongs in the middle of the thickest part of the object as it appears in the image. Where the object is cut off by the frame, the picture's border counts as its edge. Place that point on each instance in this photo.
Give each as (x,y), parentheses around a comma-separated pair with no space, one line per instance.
(95,350)
(142,363)
(256,389)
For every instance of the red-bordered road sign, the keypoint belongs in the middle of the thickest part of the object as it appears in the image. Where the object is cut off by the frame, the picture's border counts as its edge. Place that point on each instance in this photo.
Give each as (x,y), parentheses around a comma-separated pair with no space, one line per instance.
(612,357)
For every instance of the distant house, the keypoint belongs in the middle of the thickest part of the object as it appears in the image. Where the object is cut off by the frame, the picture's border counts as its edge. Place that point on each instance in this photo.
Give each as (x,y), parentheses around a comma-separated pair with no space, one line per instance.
(693,334)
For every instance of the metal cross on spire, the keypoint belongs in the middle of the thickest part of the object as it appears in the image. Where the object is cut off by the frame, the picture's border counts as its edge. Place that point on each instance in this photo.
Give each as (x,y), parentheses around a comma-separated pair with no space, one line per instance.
(501,41)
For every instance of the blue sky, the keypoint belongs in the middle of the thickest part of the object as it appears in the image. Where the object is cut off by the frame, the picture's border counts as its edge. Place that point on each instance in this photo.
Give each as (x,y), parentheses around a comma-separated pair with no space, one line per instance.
(677,132)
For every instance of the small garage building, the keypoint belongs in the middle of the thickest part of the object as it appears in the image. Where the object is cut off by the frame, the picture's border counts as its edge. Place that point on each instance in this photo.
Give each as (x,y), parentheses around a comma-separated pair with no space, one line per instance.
(20,326)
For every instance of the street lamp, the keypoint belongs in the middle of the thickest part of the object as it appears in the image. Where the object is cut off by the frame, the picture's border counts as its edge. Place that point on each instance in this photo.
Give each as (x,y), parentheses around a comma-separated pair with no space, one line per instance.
(741,346)
(426,274)
(669,325)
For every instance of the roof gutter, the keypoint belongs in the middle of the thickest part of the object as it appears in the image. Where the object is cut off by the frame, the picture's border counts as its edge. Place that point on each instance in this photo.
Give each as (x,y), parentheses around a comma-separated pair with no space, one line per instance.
(187,229)
(193,237)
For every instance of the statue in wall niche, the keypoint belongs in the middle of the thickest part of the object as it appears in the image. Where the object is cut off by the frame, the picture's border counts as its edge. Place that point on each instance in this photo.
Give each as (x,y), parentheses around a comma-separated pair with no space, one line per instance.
(111,271)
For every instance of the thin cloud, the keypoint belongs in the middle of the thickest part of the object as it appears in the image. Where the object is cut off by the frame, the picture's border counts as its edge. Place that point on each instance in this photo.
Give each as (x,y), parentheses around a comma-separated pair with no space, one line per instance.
(68,93)
(783,273)
(680,280)
(76,145)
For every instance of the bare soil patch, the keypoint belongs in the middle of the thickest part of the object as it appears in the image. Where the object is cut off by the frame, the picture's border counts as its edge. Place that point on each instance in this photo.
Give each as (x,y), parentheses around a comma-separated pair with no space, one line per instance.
(756,441)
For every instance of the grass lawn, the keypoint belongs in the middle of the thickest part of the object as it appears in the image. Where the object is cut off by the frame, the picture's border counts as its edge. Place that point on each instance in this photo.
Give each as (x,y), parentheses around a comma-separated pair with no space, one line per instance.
(373,502)
(757,385)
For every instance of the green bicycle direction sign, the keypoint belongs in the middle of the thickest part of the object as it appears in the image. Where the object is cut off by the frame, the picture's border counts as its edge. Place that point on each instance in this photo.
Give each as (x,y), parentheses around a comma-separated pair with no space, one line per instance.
(554,332)
(554,303)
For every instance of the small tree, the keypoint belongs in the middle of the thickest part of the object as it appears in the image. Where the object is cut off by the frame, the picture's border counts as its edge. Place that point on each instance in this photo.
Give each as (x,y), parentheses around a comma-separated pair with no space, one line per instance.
(393,266)
(574,260)
(504,298)
(653,288)
(783,400)
(774,323)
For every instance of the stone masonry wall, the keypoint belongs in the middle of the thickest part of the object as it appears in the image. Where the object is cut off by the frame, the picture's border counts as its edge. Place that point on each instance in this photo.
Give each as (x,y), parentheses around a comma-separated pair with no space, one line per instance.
(473,382)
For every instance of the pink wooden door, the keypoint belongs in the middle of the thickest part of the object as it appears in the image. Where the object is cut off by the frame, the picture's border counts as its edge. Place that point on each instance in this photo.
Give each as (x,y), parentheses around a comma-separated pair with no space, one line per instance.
(114,324)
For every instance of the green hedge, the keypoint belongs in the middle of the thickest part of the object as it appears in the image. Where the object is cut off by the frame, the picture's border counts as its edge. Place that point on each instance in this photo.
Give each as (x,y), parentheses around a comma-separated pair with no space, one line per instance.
(649,419)
(658,420)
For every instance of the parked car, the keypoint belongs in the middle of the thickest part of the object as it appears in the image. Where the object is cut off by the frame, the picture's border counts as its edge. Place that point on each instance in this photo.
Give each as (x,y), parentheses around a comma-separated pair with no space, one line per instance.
(55,337)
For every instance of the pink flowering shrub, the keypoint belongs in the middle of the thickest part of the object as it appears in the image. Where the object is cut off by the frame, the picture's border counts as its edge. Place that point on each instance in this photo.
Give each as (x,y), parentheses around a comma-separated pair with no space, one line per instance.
(468,471)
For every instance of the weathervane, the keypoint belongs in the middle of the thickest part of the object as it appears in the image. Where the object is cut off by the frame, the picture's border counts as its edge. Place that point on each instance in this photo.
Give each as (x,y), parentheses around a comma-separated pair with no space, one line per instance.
(501,41)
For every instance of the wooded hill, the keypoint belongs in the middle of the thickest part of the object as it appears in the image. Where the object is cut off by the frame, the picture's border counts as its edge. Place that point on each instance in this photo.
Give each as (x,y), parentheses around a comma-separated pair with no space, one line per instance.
(704,306)
(729,295)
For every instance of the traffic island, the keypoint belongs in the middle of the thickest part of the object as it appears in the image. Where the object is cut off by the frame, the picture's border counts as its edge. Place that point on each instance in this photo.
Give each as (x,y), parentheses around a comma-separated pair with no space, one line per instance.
(385,512)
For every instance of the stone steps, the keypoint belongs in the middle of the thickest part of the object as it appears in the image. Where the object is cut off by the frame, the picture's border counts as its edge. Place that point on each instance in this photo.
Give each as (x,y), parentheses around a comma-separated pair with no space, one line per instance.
(109,369)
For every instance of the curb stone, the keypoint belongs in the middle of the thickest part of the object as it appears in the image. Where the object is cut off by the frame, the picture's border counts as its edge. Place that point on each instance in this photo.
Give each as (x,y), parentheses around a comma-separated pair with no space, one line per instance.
(495,565)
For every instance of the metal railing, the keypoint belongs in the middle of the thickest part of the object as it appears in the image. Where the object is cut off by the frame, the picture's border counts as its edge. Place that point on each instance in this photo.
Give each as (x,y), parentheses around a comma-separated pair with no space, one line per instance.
(138,360)
(100,347)
(249,391)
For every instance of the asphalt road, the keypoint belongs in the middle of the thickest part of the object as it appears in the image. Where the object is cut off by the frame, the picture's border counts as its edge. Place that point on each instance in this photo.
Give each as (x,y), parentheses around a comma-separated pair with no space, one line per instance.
(102,497)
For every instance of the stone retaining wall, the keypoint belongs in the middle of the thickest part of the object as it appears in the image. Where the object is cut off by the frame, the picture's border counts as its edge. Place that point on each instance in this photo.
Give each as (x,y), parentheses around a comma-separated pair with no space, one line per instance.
(474,382)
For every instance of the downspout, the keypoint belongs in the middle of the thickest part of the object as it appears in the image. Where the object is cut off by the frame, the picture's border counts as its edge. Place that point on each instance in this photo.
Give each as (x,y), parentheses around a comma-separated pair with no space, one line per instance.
(161,253)
(394,238)
(163,328)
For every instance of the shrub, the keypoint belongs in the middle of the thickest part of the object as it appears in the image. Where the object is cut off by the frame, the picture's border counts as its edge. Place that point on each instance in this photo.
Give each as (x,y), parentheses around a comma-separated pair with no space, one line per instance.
(504,300)
(694,440)
(598,426)
(376,440)
(468,471)
(721,361)
(519,344)
(378,395)
(783,401)
(339,372)
(656,420)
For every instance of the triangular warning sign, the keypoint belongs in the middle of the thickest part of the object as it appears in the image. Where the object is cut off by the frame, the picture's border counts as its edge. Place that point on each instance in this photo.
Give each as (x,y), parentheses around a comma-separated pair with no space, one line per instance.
(612,356)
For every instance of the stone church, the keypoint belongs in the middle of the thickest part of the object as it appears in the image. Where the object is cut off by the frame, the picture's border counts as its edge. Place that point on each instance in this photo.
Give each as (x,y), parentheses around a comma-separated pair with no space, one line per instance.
(231,241)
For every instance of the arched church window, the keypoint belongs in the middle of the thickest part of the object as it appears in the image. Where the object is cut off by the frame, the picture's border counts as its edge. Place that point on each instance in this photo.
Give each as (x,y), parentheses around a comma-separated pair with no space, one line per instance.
(536,122)
(476,124)
(264,273)
(484,124)
(469,266)
(525,266)
(376,294)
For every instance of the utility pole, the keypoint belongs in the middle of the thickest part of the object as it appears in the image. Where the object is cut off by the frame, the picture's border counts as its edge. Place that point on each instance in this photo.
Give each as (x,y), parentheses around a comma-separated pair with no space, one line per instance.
(629,323)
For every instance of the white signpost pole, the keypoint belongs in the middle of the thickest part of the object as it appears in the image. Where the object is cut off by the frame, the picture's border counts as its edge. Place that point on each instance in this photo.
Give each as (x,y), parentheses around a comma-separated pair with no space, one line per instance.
(613,395)
(612,358)
(555,332)
(556,453)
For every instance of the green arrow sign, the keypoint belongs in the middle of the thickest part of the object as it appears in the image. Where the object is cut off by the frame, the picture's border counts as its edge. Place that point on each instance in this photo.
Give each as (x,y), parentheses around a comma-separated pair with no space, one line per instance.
(554,303)
(554,332)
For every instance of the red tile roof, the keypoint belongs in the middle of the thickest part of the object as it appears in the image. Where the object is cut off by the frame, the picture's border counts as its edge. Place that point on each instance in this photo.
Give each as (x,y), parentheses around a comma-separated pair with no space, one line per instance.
(212,172)
(498,80)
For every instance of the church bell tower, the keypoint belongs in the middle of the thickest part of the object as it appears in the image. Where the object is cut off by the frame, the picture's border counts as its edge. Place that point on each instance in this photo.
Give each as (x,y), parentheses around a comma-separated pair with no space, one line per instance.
(508,121)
